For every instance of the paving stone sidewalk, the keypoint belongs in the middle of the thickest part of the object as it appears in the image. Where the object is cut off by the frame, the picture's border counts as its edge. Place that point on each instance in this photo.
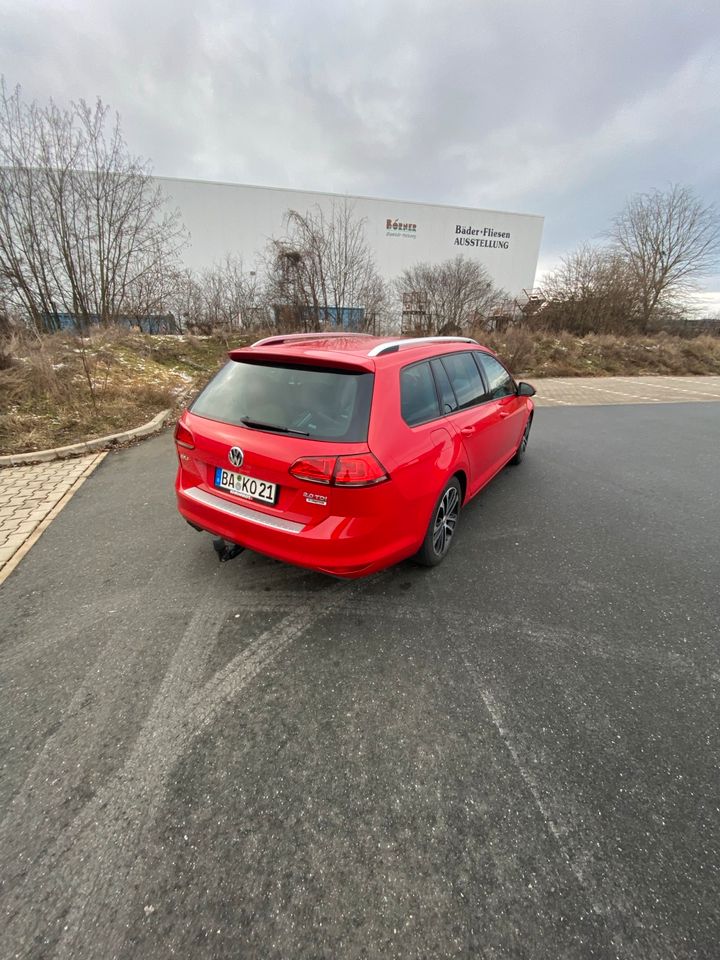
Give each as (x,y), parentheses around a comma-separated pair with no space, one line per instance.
(585,391)
(30,497)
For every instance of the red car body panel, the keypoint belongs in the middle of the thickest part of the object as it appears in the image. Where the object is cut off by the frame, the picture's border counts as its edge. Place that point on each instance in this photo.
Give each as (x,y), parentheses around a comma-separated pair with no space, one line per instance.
(356,530)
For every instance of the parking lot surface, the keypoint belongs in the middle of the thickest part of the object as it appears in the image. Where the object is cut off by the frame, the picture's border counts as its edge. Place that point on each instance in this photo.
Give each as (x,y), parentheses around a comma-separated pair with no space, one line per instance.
(512,755)
(32,495)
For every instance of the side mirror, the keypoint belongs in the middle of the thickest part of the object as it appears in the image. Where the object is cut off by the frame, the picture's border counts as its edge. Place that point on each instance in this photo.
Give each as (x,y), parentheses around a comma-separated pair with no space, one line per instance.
(525,390)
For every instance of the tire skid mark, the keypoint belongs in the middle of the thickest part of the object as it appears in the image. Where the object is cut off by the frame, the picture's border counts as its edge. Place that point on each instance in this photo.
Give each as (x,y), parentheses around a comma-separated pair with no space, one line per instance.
(56,875)
(590,644)
(228,682)
(51,636)
(65,894)
(83,723)
(629,936)
(28,649)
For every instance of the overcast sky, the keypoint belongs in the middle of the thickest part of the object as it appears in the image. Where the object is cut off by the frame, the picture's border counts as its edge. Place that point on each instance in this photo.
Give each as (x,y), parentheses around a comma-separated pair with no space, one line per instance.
(557,108)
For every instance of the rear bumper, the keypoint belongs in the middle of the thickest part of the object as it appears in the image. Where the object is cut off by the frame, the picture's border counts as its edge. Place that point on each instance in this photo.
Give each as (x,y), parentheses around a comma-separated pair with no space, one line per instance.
(348,547)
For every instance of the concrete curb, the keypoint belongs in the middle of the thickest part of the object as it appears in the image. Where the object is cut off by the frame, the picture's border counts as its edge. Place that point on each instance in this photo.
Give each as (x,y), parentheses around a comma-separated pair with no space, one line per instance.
(86,446)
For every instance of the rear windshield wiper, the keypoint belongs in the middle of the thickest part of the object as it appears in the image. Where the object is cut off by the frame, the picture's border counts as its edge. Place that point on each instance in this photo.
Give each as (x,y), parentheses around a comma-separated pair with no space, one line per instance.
(258,425)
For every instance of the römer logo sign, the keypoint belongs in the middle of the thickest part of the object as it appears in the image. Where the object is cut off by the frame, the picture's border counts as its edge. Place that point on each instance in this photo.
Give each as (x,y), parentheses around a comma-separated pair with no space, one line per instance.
(400,228)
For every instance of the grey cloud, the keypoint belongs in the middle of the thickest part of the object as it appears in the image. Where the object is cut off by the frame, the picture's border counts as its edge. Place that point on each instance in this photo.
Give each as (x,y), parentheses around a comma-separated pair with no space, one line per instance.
(560,108)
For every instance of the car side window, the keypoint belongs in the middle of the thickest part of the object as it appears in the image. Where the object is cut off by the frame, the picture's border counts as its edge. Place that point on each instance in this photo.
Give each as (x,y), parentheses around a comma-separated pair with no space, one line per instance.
(418,397)
(499,380)
(448,401)
(465,379)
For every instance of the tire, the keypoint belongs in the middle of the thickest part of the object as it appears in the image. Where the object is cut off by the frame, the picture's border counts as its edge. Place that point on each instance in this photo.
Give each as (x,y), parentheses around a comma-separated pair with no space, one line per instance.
(442,526)
(520,452)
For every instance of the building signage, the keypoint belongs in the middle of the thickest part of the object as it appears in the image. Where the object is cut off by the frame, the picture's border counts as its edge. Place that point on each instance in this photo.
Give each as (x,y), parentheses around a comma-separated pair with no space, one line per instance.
(399,228)
(481,237)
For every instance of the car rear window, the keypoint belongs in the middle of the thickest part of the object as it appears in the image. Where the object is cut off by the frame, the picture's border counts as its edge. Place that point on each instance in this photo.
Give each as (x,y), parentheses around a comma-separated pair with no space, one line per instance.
(418,397)
(315,402)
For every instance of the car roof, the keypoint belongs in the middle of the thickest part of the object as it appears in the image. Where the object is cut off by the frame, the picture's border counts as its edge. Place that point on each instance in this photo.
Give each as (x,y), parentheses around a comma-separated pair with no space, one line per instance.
(350,350)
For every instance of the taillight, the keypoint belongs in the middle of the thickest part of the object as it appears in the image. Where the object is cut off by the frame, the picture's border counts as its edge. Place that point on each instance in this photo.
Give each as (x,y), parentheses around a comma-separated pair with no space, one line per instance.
(183,437)
(353,470)
(361,470)
(315,469)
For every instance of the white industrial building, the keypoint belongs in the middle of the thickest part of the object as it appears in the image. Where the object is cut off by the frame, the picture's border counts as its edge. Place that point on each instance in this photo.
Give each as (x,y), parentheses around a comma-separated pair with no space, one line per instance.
(238,219)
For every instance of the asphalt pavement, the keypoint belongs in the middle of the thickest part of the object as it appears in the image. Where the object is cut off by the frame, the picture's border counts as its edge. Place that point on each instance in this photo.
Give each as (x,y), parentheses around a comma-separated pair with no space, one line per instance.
(515,754)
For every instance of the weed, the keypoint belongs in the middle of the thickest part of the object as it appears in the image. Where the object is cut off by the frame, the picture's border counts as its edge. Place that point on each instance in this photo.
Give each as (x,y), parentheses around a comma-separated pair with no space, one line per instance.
(48,384)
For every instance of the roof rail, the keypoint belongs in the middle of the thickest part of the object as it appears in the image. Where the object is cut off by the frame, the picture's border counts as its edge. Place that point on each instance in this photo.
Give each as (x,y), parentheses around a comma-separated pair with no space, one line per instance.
(289,337)
(393,345)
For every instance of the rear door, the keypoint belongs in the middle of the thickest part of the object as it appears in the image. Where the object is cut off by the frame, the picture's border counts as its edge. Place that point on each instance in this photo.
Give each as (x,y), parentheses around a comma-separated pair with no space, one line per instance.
(421,453)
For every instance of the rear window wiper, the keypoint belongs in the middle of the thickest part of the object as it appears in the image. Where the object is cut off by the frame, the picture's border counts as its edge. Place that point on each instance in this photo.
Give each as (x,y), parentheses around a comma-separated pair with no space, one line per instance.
(258,425)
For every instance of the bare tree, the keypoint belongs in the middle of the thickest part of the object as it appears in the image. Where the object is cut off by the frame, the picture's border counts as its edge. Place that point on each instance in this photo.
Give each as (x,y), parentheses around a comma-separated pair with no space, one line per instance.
(449,297)
(593,290)
(224,297)
(151,299)
(669,239)
(83,230)
(185,300)
(230,294)
(323,271)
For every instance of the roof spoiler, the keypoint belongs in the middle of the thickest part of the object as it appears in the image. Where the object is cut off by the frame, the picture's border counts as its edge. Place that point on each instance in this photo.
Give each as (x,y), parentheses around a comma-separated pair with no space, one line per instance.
(317,358)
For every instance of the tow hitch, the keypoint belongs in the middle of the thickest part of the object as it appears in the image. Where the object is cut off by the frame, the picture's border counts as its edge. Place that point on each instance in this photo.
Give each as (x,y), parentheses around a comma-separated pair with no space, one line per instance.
(226,551)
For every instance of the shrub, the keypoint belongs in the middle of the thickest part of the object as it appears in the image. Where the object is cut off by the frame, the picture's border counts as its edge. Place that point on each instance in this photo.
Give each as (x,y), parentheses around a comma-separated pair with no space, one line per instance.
(515,346)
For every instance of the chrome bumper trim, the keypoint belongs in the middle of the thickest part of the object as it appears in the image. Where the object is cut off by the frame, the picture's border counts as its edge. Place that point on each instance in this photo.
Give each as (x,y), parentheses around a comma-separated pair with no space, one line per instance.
(244,513)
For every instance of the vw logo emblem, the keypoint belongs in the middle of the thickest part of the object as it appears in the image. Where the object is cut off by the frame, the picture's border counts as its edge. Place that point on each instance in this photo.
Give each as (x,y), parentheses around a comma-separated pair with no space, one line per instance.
(236,456)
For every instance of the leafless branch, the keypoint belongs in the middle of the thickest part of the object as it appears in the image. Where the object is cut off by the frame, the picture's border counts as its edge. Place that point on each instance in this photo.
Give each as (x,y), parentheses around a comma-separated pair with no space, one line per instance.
(669,239)
(446,298)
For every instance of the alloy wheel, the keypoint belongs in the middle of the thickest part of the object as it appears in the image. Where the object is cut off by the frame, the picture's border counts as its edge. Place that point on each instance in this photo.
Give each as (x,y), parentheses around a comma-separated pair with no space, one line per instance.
(445,520)
(525,438)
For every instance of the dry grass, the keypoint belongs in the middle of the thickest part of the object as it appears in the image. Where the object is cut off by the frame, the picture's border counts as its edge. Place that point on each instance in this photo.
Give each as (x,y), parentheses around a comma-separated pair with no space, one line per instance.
(45,395)
(534,353)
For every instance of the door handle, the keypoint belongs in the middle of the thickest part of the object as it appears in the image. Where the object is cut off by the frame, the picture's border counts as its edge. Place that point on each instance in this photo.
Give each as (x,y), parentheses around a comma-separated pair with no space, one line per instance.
(504,413)
(467,431)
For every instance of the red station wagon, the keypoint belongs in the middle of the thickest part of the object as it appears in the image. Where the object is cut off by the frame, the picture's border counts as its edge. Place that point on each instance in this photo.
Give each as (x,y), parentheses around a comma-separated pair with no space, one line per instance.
(346,453)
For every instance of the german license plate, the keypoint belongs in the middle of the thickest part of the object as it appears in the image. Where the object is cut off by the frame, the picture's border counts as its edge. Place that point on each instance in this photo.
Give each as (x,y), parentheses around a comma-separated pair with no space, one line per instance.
(244,486)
